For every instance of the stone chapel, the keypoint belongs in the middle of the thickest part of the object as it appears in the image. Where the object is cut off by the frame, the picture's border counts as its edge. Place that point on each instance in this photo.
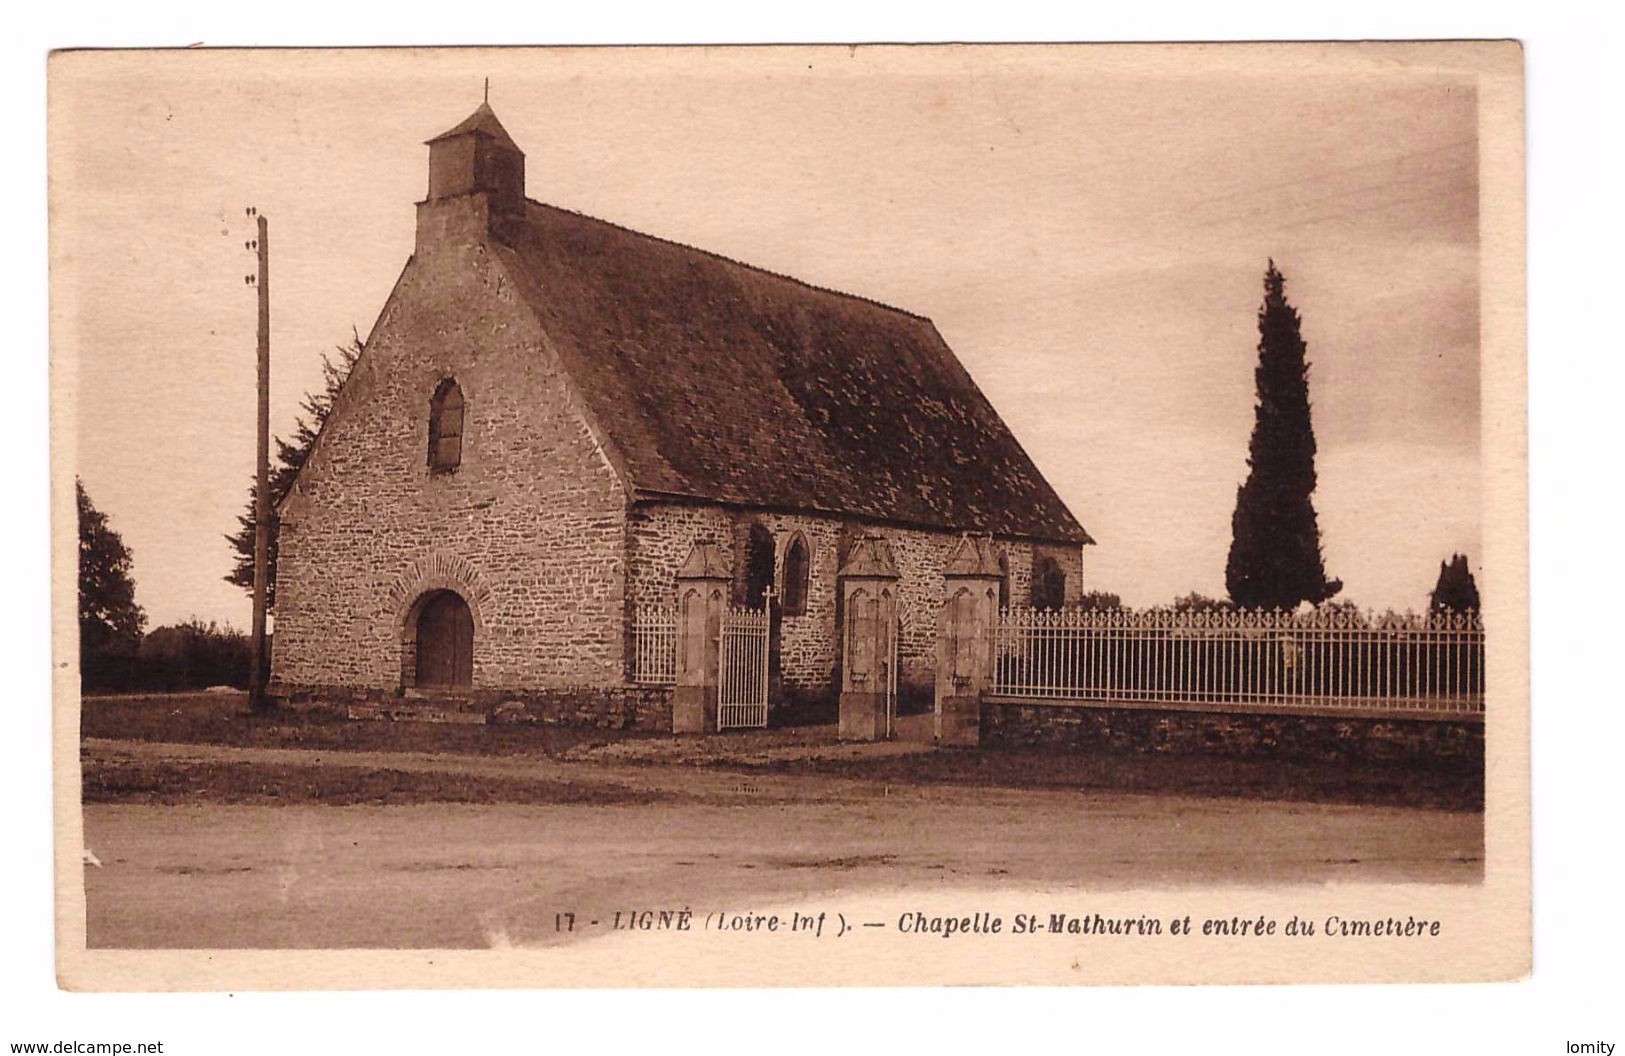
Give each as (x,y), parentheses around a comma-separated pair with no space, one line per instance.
(551,411)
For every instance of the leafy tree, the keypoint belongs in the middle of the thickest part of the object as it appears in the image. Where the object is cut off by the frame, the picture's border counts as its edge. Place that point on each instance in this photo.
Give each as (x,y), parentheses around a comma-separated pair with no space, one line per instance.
(1100,599)
(110,621)
(1350,611)
(1456,590)
(1194,602)
(194,655)
(290,457)
(1275,559)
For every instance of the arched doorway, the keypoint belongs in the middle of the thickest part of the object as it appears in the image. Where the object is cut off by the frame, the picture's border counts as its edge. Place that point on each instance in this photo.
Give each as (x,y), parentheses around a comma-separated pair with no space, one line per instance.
(445,642)
(761,560)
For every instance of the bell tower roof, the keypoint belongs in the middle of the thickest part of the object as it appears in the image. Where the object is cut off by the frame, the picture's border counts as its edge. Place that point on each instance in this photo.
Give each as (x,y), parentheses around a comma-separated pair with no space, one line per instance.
(482,122)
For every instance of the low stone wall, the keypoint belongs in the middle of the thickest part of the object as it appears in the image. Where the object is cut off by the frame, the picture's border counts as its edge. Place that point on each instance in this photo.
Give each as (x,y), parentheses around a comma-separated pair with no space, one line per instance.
(611,707)
(1073,727)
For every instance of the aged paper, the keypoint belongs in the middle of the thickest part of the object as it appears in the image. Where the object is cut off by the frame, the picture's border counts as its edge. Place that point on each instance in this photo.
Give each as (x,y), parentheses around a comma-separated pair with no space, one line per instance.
(1044,263)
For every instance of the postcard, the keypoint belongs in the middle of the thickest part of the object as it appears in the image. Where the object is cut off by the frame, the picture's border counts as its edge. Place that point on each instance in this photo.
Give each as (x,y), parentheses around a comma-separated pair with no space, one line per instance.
(789,516)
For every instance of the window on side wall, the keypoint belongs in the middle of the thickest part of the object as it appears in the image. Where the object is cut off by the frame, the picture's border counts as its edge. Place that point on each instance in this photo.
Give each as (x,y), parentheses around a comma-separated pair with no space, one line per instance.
(1049,584)
(797,571)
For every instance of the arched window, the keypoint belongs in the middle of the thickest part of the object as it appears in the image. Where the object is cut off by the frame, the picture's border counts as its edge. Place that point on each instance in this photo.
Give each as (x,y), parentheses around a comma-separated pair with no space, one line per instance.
(1049,584)
(797,570)
(446,428)
(1004,581)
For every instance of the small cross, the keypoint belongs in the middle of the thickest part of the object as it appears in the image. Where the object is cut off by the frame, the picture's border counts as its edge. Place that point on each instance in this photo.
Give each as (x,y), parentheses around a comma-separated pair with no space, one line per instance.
(488,89)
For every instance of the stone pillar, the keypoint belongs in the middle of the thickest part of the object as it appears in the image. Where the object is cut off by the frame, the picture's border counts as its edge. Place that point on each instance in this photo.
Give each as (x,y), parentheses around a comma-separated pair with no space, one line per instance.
(702,597)
(965,644)
(868,585)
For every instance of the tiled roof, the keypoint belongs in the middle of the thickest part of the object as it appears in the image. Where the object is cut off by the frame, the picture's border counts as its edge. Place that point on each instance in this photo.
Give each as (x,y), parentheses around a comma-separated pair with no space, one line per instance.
(723,382)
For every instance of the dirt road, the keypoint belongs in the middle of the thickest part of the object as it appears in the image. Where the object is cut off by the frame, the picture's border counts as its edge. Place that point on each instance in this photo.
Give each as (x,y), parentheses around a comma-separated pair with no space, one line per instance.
(442,875)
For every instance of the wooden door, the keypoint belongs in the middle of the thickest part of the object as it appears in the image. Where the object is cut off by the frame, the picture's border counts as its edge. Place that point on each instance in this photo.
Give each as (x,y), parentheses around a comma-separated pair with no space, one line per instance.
(445,642)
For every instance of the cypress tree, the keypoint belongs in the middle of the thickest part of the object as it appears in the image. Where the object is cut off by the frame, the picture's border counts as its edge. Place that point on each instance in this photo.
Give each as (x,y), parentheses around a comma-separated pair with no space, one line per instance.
(1456,590)
(1275,559)
(290,457)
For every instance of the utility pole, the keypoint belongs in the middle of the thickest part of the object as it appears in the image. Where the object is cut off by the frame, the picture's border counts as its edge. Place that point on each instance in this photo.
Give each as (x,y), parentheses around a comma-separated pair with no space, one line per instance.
(262,474)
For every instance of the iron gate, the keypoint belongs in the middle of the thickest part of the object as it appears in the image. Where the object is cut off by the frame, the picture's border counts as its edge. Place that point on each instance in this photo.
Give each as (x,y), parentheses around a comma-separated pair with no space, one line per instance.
(742,669)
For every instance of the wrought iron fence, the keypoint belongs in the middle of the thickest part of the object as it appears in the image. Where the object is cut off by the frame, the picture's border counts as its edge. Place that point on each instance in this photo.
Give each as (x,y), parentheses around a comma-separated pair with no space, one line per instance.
(1322,659)
(654,645)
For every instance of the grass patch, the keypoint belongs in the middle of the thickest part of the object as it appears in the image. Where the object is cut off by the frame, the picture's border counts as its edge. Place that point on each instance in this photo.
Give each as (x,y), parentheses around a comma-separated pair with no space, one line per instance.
(169,783)
(1443,788)
(225,719)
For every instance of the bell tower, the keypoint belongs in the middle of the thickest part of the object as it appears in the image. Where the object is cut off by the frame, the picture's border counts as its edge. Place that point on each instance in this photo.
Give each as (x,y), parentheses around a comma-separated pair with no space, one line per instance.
(476,179)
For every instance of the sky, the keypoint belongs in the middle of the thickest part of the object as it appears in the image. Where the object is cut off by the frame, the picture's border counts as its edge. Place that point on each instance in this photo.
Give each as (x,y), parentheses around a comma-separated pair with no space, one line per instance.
(1088,228)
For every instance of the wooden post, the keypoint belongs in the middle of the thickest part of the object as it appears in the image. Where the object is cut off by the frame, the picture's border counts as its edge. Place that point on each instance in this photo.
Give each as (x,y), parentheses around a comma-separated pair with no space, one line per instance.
(262,481)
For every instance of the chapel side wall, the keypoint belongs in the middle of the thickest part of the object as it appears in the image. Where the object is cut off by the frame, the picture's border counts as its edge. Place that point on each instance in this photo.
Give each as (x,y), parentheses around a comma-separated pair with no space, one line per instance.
(530,527)
(809,660)
(660,536)
(921,556)
(1070,558)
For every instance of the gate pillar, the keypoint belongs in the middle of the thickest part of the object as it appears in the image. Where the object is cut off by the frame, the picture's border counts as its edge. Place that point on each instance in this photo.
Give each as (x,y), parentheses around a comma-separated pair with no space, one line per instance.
(702,596)
(868,584)
(965,642)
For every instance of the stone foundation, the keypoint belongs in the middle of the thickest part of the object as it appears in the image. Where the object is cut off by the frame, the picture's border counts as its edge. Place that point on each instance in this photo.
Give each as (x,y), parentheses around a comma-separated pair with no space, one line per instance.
(1068,727)
(957,723)
(612,707)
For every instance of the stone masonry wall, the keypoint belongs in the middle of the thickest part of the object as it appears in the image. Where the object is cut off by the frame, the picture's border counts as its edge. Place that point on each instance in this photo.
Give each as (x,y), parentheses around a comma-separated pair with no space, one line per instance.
(1070,558)
(660,536)
(1021,724)
(529,529)
(607,707)
(807,643)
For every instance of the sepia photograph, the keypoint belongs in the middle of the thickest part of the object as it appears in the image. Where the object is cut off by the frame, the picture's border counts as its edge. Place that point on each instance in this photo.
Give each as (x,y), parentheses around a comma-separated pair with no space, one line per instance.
(804,516)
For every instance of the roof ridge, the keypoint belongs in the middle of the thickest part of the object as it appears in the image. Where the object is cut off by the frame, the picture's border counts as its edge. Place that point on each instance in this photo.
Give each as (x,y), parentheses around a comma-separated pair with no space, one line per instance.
(757,268)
